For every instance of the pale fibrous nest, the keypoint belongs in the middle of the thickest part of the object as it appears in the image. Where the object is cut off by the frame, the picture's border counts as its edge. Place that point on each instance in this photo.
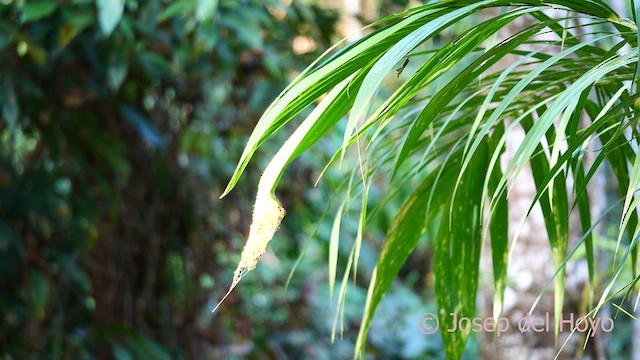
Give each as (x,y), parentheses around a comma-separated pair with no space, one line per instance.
(267,215)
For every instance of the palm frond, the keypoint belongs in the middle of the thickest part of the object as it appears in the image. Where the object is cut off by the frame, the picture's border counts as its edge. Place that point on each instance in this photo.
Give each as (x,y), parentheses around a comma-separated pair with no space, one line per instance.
(440,135)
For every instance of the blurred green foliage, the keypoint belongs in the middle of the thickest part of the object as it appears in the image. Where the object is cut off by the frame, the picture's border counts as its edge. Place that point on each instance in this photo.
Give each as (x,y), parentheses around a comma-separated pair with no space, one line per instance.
(120,122)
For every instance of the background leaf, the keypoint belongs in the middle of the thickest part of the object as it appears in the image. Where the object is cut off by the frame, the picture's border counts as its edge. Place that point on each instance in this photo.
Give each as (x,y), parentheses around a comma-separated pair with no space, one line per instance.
(109,14)
(35,10)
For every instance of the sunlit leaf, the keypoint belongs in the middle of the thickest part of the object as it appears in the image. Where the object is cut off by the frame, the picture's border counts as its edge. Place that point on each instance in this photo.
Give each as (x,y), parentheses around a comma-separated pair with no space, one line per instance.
(109,14)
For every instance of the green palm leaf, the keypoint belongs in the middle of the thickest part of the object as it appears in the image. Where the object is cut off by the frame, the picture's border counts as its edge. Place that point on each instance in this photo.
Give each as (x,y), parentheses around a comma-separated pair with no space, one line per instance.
(439,136)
